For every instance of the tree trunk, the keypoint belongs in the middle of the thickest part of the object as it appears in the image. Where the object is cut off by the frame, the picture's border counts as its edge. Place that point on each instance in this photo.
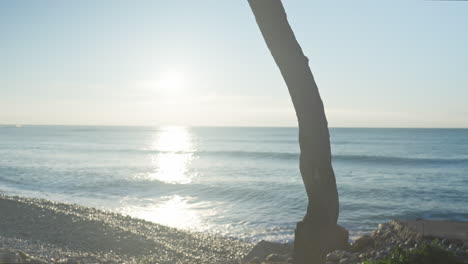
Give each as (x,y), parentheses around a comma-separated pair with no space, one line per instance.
(318,232)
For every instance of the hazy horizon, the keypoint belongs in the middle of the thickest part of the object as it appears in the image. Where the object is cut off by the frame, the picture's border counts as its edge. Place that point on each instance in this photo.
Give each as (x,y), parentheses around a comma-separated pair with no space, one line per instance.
(398,64)
(214,126)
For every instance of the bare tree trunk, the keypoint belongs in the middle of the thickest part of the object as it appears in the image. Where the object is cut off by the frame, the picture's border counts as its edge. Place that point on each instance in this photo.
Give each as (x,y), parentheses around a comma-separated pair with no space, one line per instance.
(318,232)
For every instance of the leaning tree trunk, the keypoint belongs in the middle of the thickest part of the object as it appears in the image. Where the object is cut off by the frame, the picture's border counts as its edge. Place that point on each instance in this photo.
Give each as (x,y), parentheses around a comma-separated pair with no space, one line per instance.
(318,233)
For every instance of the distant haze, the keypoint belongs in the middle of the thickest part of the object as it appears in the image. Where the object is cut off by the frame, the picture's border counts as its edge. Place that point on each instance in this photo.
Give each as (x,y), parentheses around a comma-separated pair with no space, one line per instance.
(377,64)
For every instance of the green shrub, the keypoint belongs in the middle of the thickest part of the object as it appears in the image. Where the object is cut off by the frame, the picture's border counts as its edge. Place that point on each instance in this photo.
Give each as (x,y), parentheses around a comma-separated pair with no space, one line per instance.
(427,254)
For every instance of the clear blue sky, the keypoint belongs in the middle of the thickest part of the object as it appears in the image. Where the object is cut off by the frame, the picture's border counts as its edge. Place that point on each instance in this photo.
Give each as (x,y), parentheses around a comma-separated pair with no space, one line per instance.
(377,64)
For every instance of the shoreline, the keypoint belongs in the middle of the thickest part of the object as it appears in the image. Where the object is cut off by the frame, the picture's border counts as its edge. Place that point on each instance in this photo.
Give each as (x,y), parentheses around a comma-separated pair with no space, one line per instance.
(51,231)
(54,232)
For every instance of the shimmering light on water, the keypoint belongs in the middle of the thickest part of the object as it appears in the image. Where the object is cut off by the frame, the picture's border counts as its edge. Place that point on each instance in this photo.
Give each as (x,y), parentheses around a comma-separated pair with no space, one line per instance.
(174,211)
(173,148)
(173,139)
(240,182)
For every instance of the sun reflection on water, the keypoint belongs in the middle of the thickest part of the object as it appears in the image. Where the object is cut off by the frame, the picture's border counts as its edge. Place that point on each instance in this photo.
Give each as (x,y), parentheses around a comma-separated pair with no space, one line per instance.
(173,139)
(174,211)
(174,152)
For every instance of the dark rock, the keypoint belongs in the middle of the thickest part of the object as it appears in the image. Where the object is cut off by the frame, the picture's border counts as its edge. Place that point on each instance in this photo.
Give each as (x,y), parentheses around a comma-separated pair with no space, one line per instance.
(333,256)
(363,243)
(409,242)
(313,242)
(275,258)
(265,248)
(345,261)
(255,261)
(456,242)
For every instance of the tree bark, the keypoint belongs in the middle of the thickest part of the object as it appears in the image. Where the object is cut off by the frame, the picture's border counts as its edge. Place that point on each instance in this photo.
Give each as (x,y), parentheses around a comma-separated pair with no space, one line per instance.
(318,232)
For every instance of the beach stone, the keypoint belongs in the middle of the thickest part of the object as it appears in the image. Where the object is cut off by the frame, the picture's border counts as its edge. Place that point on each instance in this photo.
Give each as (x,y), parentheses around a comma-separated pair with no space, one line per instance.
(337,255)
(16,256)
(363,242)
(255,260)
(312,242)
(333,257)
(456,242)
(264,248)
(10,256)
(345,261)
(275,258)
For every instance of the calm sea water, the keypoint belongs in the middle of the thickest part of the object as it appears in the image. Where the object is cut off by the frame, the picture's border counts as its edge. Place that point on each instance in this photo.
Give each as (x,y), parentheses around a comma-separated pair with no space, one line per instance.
(239,182)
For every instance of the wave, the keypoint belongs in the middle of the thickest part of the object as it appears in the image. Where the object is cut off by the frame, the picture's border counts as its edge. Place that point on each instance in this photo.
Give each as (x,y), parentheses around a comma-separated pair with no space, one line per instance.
(368,159)
(389,160)
(251,154)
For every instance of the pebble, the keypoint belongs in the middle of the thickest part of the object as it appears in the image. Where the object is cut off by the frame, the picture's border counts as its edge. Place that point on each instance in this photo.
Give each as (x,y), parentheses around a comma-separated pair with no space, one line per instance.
(333,257)
(275,258)
(345,261)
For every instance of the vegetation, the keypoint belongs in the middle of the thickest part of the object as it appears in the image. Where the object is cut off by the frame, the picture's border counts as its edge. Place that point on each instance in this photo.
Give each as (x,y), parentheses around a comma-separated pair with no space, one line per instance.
(427,254)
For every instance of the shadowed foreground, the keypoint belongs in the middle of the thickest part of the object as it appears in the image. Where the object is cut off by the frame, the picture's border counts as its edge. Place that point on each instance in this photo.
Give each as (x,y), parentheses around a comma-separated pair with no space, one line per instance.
(53,232)
(48,230)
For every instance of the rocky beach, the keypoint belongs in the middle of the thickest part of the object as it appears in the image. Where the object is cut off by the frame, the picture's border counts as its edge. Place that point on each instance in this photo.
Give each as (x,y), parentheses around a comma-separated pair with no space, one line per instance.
(40,231)
(394,237)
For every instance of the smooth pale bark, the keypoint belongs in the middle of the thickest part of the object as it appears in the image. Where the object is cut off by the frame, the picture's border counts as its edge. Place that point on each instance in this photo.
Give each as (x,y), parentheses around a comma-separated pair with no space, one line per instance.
(318,232)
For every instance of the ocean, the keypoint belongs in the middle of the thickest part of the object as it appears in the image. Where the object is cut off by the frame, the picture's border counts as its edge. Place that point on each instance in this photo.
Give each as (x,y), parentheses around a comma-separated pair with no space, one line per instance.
(237,182)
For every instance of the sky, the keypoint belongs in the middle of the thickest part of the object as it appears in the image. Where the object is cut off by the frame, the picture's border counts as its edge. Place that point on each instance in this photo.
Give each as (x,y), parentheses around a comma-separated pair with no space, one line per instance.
(399,63)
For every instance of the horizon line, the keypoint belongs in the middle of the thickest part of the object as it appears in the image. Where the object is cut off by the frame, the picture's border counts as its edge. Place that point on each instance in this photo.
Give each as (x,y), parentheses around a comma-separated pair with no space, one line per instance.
(223,126)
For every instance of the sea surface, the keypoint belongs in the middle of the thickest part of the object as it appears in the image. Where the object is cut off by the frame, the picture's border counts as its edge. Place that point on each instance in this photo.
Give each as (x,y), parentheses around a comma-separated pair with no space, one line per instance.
(237,182)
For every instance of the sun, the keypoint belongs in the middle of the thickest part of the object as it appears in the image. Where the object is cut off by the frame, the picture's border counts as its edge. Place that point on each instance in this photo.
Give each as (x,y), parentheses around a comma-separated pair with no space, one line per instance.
(171,81)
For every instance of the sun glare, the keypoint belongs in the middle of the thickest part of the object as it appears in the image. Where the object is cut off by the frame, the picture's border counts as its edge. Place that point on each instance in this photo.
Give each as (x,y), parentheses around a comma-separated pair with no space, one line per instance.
(171,81)
(173,148)
(174,211)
